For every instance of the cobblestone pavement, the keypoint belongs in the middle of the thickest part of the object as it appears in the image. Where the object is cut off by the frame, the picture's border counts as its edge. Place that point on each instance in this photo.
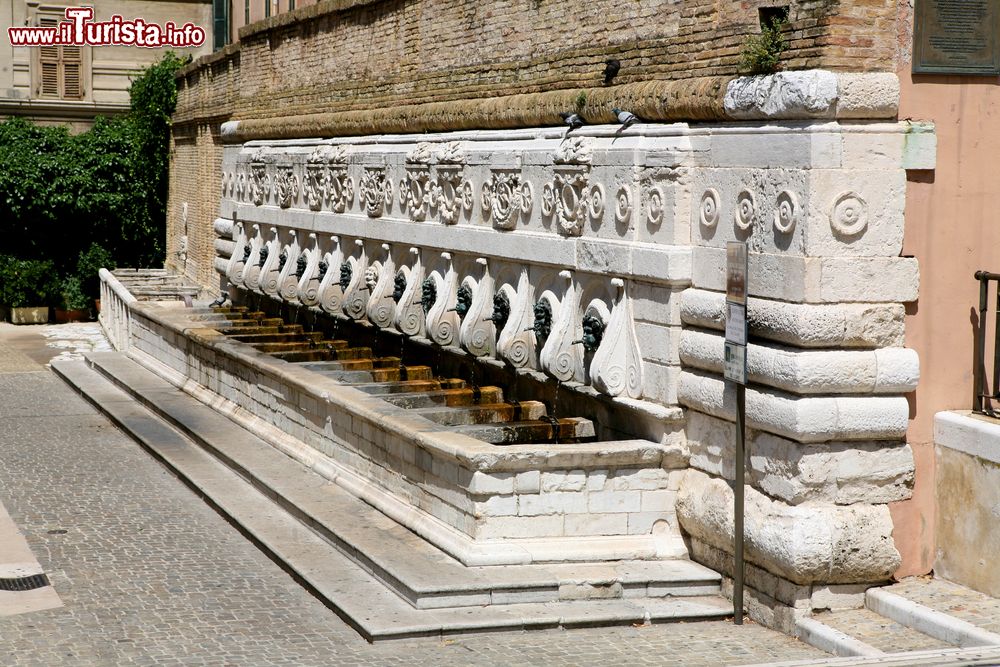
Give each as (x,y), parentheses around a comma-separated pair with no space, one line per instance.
(959,601)
(149,575)
(879,631)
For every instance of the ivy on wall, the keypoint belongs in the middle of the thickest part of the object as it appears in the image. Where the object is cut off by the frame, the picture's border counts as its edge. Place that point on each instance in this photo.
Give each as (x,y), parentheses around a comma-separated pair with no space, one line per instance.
(60,194)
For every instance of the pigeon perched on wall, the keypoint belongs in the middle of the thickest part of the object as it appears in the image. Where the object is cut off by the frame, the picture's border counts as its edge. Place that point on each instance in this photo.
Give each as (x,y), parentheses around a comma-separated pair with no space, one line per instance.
(625,118)
(611,67)
(574,120)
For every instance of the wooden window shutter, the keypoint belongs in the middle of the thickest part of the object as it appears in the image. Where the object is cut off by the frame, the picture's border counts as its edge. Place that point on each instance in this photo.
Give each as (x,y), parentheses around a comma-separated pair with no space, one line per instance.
(61,67)
(48,59)
(72,63)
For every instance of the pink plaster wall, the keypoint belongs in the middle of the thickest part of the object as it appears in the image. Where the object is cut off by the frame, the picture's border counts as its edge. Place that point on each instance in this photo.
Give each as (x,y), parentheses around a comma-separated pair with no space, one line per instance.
(953,228)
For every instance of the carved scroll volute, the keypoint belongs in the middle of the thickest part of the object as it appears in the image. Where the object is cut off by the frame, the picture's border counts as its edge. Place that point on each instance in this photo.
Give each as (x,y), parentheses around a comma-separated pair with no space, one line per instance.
(478,333)
(356,294)
(234,267)
(409,316)
(251,272)
(517,342)
(288,282)
(307,288)
(443,323)
(560,357)
(381,307)
(331,296)
(616,369)
(269,272)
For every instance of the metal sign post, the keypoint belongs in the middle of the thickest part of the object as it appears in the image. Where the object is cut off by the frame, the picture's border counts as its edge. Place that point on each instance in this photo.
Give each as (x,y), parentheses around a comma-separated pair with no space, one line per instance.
(735,370)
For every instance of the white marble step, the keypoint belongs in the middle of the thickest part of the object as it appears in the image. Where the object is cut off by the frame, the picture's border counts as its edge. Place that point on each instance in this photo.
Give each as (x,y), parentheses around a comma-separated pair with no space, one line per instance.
(417,572)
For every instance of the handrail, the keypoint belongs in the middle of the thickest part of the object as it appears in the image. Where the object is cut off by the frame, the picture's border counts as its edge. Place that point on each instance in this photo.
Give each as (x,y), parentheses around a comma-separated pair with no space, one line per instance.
(116,314)
(981,398)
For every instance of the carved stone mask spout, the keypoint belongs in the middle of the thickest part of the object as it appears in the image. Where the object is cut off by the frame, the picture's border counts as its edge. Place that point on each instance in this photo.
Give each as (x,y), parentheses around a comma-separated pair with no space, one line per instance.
(543,319)
(501,310)
(399,286)
(346,273)
(428,294)
(463,302)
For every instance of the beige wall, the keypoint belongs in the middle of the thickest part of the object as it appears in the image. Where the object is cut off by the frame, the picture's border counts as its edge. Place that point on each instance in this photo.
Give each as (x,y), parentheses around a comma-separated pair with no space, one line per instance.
(953,228)
(111,67)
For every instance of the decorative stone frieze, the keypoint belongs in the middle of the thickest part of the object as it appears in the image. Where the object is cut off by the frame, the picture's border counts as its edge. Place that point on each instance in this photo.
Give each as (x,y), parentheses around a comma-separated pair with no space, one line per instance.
(381,307)
(376,191)
(504,197)
(307,272)
(331,294)
(409,316)
(616,369)
(478,333)
(561,357)
(442,321)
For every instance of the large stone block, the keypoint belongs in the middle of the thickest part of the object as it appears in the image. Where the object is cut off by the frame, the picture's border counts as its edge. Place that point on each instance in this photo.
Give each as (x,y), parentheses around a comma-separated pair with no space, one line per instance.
(842,473)
(806,544)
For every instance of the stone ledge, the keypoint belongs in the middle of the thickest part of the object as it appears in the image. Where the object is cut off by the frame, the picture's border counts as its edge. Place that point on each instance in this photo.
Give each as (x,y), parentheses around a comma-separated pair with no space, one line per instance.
(803,325)
(963,431)
(814,279)
(841,95)
(842,473)
(883,371)
(804,419)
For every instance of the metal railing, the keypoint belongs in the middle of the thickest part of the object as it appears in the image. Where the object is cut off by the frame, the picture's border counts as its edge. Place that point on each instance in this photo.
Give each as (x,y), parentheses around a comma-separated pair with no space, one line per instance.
(983,395)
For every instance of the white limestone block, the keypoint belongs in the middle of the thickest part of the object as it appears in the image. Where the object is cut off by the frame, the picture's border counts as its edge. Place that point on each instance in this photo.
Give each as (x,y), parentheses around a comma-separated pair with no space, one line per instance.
(802,325)
(867,94)
(814,279)
(804,419)
(807,544)
(887,371)
(842,473)
(801,94)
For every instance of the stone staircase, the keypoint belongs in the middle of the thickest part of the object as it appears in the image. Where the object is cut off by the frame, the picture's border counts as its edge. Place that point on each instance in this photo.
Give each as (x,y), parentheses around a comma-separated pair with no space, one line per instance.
(916,615)
(381,577)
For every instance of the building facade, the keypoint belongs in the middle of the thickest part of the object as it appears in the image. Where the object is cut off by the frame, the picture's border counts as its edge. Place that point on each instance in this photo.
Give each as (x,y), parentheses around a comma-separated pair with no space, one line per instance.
(71,85)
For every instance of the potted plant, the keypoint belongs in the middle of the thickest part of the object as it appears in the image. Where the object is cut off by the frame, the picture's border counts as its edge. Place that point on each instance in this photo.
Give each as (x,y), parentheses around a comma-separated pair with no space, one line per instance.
(27,286)
(75,304)
(88,265)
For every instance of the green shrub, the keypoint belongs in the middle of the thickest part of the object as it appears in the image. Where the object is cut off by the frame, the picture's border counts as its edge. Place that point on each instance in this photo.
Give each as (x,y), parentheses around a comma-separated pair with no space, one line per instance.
(89,264)
(761,53)
(28,282)
(73,297)
(62,193)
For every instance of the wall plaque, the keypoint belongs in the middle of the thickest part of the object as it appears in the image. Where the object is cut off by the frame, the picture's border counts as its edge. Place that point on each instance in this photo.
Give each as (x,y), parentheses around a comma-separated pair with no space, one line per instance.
(956,37)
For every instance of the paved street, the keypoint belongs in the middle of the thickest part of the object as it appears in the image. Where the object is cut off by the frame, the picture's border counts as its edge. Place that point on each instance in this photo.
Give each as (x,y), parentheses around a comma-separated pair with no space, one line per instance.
(149,575)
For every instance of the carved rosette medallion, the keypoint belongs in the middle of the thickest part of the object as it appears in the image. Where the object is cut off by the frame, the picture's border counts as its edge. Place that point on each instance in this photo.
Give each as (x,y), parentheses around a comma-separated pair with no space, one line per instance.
(286,186)
(414,193)
(786,212)
(504,196)
(710,208)
(849,214)
(746,211)
(376,191)
(575,198)
(623,205)
(654,205)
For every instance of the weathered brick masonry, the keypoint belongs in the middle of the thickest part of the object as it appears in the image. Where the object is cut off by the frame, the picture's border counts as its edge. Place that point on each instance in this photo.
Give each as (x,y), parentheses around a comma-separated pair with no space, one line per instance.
(467,59)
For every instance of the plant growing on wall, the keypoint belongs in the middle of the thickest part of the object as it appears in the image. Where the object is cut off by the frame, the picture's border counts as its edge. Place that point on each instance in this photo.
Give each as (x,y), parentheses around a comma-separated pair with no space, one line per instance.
(61,193)
(761,53)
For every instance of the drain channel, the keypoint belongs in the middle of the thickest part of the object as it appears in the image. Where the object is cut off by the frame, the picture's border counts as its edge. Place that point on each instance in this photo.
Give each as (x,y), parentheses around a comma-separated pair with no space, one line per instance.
(28,583)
